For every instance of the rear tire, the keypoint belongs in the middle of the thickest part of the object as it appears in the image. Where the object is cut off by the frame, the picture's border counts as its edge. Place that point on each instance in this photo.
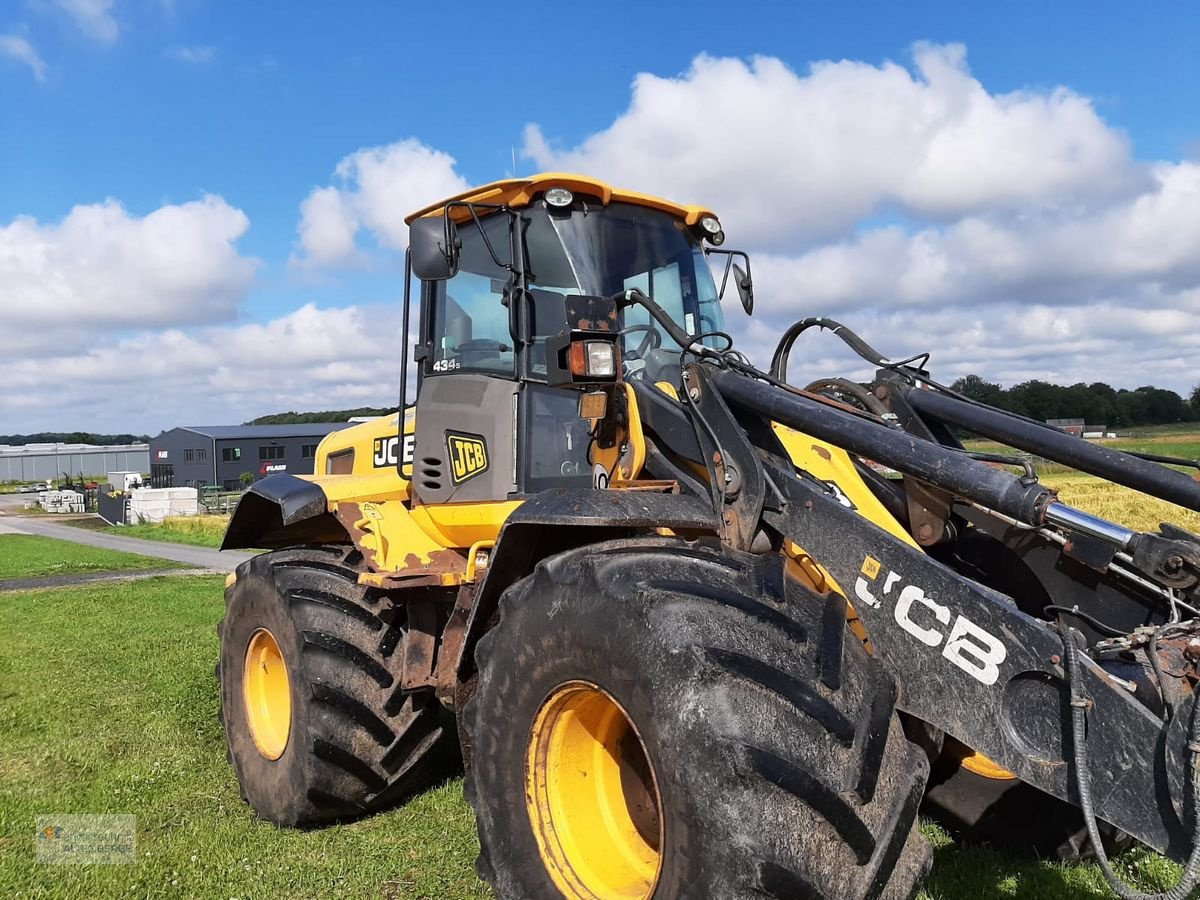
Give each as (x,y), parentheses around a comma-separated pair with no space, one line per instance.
(352,742)
(779,766)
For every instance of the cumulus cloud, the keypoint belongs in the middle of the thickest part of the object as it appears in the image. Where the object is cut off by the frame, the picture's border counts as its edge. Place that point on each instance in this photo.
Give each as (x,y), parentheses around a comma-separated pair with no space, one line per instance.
(376,187)
(311,358)
(18,48)
(1015,234)
(93,17)
(787,156)
(196,54)
(102,267)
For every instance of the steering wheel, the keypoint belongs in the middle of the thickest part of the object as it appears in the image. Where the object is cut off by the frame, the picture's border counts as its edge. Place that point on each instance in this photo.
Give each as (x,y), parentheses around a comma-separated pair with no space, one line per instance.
(652,340)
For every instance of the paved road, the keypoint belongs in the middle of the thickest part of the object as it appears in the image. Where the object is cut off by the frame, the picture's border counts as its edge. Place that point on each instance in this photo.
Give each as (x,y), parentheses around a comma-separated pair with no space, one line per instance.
(202,557)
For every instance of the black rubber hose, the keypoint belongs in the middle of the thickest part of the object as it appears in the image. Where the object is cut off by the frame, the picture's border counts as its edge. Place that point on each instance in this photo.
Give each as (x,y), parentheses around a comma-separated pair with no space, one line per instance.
(870,402)
(1190,878)
(779,361)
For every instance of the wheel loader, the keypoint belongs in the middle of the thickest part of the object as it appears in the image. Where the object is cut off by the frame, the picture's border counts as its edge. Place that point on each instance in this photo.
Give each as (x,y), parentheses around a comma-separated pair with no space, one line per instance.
(696,631)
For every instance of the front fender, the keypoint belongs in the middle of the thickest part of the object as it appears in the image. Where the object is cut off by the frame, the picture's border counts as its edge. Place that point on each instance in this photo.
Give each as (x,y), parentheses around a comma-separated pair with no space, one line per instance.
(279,511)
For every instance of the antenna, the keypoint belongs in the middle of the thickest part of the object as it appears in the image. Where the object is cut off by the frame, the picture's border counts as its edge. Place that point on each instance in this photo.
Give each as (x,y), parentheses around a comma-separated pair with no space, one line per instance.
(514,159)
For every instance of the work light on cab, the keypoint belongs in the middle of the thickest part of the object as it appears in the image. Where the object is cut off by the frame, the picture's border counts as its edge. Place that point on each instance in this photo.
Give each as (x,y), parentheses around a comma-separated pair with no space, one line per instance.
(591,360)
(559,196)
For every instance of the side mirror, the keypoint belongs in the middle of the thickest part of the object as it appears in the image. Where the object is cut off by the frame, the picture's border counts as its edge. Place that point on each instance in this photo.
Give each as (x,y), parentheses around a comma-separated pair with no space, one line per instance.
(745,288)
(433,247)
(742,279)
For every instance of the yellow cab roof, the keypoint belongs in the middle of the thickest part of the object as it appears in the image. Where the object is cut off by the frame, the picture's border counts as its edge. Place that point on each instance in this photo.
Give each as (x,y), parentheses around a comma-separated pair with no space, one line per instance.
(519,192)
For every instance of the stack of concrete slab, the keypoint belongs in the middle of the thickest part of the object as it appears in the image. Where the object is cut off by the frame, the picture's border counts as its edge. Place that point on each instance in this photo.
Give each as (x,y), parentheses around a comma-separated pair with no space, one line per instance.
(156,504)
(61,501)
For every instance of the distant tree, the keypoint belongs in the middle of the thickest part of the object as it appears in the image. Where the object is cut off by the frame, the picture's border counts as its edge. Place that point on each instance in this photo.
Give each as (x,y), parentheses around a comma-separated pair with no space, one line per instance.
(246,478)
(977,389)
(335,415)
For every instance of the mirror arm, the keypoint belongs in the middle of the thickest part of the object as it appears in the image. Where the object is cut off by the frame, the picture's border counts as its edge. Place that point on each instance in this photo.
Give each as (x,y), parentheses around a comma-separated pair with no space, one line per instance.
(470,208)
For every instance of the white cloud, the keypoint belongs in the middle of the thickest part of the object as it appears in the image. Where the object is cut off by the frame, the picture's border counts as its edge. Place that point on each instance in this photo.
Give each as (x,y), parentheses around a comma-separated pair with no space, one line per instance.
(93,17)
(196,54)
(376,188)
(18,48)
(101,267)
(786,156)
(1014,234)
(309,359)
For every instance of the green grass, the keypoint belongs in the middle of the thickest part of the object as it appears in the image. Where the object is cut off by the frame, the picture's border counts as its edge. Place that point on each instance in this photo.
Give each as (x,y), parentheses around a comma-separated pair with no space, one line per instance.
(121,717)
(202,531)
(31,556)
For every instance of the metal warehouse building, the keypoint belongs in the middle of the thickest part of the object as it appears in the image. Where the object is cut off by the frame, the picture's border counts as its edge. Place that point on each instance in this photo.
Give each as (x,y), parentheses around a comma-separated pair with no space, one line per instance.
(197,455)
(38,462)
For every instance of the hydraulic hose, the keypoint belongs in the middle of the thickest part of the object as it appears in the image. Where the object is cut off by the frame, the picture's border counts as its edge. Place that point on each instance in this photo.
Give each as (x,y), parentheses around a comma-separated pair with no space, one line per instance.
(1190,878)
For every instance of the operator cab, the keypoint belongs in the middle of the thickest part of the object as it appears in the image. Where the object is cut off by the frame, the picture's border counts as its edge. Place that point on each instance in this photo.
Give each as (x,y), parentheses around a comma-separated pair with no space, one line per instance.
(521,259)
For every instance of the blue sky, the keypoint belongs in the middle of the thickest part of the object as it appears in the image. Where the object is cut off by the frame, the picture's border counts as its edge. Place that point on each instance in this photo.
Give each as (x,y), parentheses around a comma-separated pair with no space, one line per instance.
(158,103)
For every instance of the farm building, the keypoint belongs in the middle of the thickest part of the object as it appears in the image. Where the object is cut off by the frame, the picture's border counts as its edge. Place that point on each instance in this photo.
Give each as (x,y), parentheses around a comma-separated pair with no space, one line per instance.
(199,455)
(39,462)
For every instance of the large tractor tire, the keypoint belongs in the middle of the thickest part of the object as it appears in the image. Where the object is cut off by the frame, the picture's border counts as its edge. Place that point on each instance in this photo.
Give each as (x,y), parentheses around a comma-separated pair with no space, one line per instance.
(316,725)
(656,718)
(981,803)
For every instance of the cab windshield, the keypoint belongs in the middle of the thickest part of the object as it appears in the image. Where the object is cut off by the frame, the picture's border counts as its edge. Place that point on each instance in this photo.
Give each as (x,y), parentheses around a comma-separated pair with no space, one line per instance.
(601,251)
(589,249)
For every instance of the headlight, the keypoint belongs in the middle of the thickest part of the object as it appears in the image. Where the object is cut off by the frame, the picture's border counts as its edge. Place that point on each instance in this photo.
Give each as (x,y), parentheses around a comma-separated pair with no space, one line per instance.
(710,224)
(559,196)
(593,359)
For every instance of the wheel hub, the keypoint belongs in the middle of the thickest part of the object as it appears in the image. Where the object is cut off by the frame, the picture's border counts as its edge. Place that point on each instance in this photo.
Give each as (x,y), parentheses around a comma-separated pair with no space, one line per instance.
(267,694)
(592,797)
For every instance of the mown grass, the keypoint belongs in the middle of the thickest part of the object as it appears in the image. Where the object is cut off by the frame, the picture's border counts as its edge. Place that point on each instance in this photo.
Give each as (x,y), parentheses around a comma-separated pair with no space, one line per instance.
(31,556)
(120,716)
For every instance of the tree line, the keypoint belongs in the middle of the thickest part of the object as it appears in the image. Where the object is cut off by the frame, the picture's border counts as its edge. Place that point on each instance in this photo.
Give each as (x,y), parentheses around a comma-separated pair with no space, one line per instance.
(73,437)
(334,415)
(1096,403)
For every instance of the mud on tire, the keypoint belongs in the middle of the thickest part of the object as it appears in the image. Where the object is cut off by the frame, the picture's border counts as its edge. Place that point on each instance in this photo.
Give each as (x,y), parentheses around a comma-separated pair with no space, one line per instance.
(356,742)
(781,767)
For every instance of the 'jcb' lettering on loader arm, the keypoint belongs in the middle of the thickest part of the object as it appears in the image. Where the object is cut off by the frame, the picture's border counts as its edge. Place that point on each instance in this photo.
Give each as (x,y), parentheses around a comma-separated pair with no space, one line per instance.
(971,648)
(468,455)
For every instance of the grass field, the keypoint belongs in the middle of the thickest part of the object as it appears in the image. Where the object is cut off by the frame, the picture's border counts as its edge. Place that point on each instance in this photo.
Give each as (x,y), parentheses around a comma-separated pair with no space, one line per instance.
(203,531)
(121,717)
(30,556)
(200,531)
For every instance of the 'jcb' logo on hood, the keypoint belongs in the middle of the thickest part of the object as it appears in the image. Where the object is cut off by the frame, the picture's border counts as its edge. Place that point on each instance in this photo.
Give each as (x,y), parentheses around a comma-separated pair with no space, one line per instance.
(468,456)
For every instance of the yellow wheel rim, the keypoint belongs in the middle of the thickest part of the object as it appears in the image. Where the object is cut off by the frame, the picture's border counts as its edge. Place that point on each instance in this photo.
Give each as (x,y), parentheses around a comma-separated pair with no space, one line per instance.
(976,762)
(267,694)
(592,797)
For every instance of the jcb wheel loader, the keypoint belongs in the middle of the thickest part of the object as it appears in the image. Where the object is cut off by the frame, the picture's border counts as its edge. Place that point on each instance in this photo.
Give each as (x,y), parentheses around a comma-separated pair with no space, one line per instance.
(699,632)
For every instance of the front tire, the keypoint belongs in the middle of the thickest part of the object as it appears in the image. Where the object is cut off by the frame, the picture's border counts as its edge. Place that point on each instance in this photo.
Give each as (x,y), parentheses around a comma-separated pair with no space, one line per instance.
(660,719)
(316,726)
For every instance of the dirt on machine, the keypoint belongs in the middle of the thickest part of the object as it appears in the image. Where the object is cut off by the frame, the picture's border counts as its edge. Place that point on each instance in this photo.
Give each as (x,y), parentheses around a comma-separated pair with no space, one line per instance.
(693,630)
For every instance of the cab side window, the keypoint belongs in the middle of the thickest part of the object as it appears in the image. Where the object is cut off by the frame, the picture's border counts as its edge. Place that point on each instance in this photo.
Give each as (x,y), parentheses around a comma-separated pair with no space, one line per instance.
(470,322)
